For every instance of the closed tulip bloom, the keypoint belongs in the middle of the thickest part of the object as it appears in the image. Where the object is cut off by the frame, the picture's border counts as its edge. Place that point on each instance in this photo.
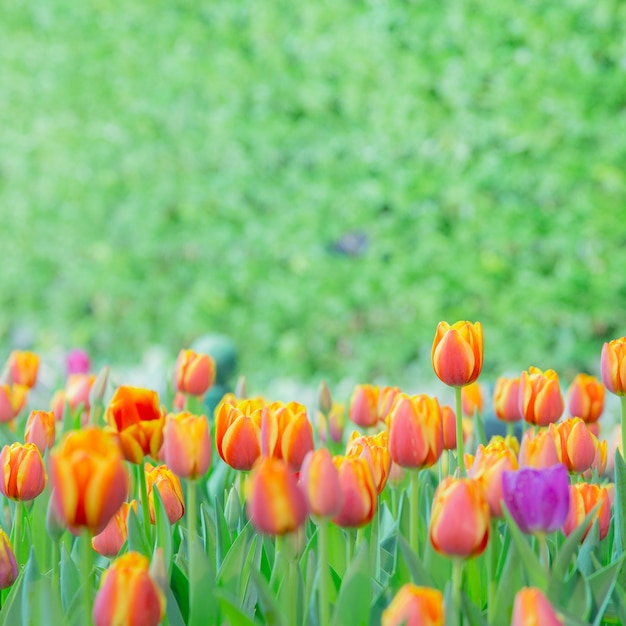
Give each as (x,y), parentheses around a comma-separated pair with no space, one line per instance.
(8,565)
(170,490)
(319,481)
(457,352)
(336,422)
(77,362)
(275,504)
(583,497)
(40,429)
(110,541)
(374,448)
(575,444)
(363,409)
(294,435)
(532,608)
(459,522)
(489,463)
(506,399)
(77,389)
(128,595)
(540,397)
(448,424)
(415,606)
(135,416)
(194,373)
(472,399)
(88,479)
(23,473)
(187,445)
(537,499)
(12,401)
(586,398)
(24,367)
(416,432)
(538,450)
(613,366)
(360,497)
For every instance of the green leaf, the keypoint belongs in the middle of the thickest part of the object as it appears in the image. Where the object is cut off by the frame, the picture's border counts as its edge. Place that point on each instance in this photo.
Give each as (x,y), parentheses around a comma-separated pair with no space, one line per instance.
(620,505)
(204,606)
(510,580)
(471,611)
(272,611)
(602,584)
(419,574)
(355,593)
(70,578)
(229,575)
(234,614)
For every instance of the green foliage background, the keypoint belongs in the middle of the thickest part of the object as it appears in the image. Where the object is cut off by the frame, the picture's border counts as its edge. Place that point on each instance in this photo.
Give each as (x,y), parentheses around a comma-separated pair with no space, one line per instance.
(173,168)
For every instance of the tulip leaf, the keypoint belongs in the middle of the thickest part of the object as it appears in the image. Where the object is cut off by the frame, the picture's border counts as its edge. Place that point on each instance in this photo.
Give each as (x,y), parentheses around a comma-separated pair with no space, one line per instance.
(234,614)
(11,612)
(179,585)
(136,537)
(619,604)
(355,593)
(41,604)
(585,561)
(229,575)
(575,594)
(510,578)
(419,574)
(602,584)
(272,611)
(172,610)
(534,571)
(479,428)
(619,544)
(471,611)
(70,578)
(203,606)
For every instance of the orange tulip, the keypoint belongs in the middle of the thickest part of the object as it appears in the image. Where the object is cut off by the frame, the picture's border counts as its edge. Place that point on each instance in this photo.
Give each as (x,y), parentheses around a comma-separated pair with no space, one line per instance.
(583,497)
(360,497)
(370,404)
(319,481)
(472,399)
(457,352)
(41,429)
(586,398)
(295,433)
(187,445)
(194,373)
(12,401)
(490,462)
(448,424)
(135,416)
(23,473)
(416,432)
(374,448)
(170,491)
(506,399)
(540,397)
(110,541)
(77,389)
(8,565)
(459,499)
(415,606)
(23,367)
(275,504)
(575,445)
(538,450)
(88,479)
(613,366)
(532,608)
(128,595)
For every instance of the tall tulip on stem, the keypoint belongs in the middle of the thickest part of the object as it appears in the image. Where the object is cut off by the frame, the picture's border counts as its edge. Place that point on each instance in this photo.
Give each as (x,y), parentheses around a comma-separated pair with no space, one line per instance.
(613,368)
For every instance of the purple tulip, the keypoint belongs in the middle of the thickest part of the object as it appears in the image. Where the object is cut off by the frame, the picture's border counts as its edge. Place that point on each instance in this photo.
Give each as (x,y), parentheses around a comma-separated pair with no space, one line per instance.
(538,499)
(77,362)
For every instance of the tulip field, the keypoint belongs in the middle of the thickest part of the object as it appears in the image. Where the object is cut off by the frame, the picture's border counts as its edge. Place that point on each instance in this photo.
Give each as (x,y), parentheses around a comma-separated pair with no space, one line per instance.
(121,507)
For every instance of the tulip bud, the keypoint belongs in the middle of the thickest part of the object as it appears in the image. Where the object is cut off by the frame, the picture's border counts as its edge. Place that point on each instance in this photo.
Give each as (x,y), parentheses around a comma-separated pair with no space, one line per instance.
(40,429)
(110,541)
(295,433)
(457,352)
(78,391)
(194,373)
(538,450)
(23,474)
(415,606)
(613,366)
(363,409)
(187,444)
(360,498)
(128,595)
(319,481)
(583,497)
(12,401)
(324,398)
(336,422)
(448,423)
(232,510)
(459,499)
(238,432)
(575,444)
(586,398)
(241,389)
(170,491)
(532,607)
(374,448)
(77,362)
(506,399)
(23,367)
(540,397)
(8,565)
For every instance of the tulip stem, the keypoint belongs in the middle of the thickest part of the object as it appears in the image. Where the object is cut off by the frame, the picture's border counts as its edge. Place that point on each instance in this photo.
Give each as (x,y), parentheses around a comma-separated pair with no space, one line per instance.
(87,566)
(623,407)
(544,553)
(145,507)
(17,532)
(457,577)
(460,459)
(414,512)
(491,574)
(191,540)
(322,547)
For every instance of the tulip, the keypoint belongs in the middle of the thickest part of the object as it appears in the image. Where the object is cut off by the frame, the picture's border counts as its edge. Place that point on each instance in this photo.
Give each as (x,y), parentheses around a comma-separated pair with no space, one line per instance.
(532,608)
(57,404)
(448,424)
(537,499)
(77,362)
(472,399)
(40,429)
(8,564)
(416,432)
(23,367)
(12,401)
(294,435)
(613,366)
(23,473)
(88,479)
(110,541)
(538,450)
(576,446)
(540,397)
(457,353)
(360,497)
(506,399)
(370,404)
(319,481)
(415,606)
(586,398)
(459,522)
(128,595)
(134,415)
(374,448)
(77,389)
(194,373)
(170,491)
(336,422)
(583,497)
(187,445)
(275,504)
(490,462)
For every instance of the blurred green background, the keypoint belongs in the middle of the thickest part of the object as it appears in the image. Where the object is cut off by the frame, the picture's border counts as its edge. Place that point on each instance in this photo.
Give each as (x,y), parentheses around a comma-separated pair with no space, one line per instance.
(323,182)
